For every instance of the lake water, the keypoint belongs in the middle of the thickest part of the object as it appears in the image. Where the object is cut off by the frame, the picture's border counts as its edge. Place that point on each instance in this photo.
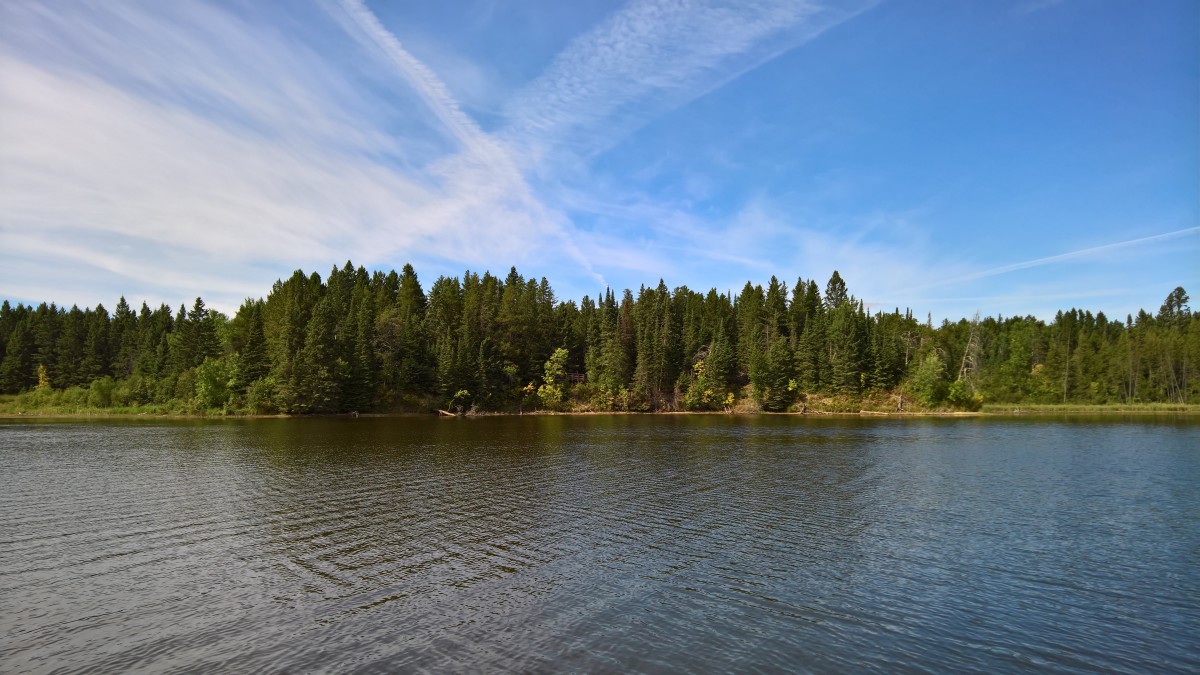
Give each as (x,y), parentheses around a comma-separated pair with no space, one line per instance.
(601,543)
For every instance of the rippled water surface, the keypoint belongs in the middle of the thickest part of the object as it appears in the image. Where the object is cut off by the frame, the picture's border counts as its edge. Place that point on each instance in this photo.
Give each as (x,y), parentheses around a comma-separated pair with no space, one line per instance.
(619,543)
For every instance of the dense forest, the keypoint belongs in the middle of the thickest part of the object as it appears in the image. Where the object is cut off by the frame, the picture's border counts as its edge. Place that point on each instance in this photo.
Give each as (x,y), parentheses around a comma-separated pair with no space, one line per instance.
(370,341)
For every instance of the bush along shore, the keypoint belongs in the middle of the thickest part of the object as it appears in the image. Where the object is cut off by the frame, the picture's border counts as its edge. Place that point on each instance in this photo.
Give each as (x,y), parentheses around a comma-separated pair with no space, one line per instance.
(375,342)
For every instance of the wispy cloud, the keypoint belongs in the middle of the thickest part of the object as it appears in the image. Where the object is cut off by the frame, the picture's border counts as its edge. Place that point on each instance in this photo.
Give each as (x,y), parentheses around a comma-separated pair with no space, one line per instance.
(484,172)
(957,290)
(646,58)
(426,84)
(1083,253)
(875,253)
(653,55)
(185,148)
(185,144)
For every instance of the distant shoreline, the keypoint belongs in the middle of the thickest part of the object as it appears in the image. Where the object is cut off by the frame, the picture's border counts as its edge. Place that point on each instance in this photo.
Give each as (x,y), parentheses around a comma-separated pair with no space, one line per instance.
(997,411)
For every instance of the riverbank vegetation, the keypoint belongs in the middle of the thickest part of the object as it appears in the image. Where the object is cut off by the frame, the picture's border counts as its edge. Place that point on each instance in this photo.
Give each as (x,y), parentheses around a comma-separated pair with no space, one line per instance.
(363,341)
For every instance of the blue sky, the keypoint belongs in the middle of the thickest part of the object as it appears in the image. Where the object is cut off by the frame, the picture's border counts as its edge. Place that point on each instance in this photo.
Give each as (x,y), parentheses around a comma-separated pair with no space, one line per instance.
(1001,157)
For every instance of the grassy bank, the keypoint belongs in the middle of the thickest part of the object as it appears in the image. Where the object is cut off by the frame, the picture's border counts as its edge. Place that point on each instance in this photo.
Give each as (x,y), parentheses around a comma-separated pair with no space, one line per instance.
(20,406)
(68,407)
(81,402)
(1061,408)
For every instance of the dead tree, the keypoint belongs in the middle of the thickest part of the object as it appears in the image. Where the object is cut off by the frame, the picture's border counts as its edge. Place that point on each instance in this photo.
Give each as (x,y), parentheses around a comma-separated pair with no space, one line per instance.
(970,359)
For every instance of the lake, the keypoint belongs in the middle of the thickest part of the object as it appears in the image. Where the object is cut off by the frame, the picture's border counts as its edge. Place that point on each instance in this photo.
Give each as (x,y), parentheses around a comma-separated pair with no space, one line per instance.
(601,543)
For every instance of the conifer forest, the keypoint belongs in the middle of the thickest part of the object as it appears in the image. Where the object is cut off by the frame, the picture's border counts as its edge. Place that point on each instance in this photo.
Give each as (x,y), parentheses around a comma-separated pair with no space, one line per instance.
(360,341)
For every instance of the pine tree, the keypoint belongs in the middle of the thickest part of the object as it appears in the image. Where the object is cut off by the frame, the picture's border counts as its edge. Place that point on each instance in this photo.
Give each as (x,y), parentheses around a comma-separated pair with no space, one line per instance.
(751,336)
(360,392)
(720,364)
(779,388)
(69,350)
(367,341)
(95,358)
(47,323)
(17,369)
(775,311)
(123,340)
(203,340)
(253,362)
(812,354)
(318,369)
(845,348)
(835,292)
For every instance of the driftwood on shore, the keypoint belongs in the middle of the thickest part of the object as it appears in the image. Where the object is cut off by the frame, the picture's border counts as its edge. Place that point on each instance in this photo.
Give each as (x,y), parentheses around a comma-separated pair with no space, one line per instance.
(447,413)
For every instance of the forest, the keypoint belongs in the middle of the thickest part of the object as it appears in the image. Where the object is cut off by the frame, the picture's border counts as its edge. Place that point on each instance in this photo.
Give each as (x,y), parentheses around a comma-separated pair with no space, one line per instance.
(360,341)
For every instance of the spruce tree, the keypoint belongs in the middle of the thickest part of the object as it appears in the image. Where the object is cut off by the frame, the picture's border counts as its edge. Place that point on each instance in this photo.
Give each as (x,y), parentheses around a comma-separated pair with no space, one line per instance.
(318,367)
(18,371)
(69,350)
(95,359)
(203,341)
(778,391)
(253,362)
(123,340)
(835,292)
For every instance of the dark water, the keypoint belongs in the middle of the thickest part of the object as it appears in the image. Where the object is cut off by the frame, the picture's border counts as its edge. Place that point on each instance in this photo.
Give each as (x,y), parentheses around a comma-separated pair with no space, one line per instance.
(601,544)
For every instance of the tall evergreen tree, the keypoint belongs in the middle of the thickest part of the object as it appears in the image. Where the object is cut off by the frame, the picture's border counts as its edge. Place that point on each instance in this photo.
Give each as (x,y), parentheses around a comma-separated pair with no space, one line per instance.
(253,360)
(374,341)
(17,369)
(123,343)
(318,368)
(835,292)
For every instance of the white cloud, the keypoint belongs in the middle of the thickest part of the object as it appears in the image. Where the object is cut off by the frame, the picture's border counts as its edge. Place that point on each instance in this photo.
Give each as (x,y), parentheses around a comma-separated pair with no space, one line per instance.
(652,56)
(188,146)
(181,149)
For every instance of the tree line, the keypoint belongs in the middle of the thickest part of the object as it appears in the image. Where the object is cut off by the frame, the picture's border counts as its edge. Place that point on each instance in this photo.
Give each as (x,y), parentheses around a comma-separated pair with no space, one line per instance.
(374,341)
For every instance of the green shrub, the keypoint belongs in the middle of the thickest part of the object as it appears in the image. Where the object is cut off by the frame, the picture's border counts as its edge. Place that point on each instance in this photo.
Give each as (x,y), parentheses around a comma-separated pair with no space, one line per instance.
(960,396)
(928,381)
(100,394)
(260,396)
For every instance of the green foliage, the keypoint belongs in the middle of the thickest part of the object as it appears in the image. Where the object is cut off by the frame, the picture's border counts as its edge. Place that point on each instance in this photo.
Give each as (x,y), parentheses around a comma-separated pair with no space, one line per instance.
(928,380)
(835,292)
(959,395)
(197,336)
(17,370)
(318,367)
(100,392)
(704,392)
(216,380)
(185,386)
(846,346)
(604,398)
(460,401)
(253,362)
(778,387)
(260,396)
(552,391)
(359,341)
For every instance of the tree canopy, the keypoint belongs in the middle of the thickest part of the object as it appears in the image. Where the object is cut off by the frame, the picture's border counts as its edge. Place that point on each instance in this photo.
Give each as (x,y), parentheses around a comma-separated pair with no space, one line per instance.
(362,341)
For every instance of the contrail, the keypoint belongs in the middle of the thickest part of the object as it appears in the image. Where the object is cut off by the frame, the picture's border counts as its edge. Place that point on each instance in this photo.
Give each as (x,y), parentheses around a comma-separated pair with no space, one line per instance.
(1038,262)
(479,146)
(1049,260)
(427,84)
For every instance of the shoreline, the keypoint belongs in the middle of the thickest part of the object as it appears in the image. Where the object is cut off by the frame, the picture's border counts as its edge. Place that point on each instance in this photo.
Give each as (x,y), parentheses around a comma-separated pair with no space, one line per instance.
(1018,411)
